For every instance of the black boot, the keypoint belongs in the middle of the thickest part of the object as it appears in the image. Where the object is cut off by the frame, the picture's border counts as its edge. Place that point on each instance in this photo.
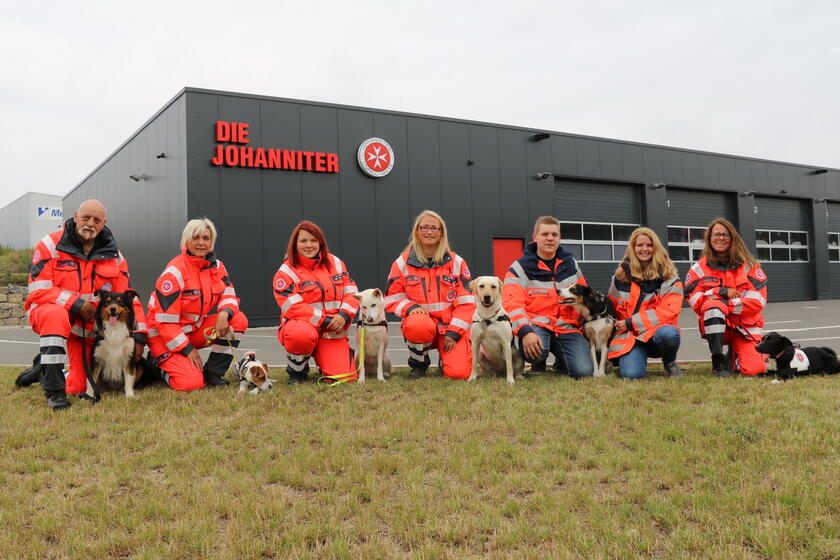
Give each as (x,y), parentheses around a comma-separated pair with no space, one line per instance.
(215,369)
(52,380)
(720,366)
(673,369)
(417,372)
(296,378)
(31,375)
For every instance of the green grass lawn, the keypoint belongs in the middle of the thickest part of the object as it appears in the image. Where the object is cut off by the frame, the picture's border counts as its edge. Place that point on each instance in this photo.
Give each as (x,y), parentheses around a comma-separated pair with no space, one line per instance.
(549,468)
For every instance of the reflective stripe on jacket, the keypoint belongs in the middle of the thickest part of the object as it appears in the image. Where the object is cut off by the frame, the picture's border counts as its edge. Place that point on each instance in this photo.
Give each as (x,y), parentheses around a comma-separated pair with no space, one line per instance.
(313,292)
(62,274)
(441,289)
(704,282)
(531,295)
(645,306)
(189,289)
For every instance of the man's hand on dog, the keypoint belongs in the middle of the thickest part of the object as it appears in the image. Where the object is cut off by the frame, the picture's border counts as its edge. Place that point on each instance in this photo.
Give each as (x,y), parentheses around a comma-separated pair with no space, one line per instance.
(532,345)
(88,311)
(620,327)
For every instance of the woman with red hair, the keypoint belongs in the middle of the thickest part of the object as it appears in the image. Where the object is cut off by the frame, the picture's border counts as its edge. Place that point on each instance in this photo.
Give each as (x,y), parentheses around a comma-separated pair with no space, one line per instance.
(315,294)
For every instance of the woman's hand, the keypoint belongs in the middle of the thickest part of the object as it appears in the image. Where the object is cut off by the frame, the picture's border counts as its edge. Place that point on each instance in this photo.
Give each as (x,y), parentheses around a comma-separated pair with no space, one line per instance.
(418,310)
(195,358)
(732,293)
(448,344)
(337,323)
(222,327)
(620,327)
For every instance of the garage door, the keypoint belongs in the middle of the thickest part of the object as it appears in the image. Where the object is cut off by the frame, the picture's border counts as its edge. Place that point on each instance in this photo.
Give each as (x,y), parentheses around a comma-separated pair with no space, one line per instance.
(833,220)
(689,214)
(783,246)
(597,219)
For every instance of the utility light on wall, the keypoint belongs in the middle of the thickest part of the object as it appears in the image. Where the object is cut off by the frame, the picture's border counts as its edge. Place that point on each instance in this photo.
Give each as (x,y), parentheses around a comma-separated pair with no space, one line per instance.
(748,193)
(161,155)
(819,171)
(657,186)
(138,178)
(542,175)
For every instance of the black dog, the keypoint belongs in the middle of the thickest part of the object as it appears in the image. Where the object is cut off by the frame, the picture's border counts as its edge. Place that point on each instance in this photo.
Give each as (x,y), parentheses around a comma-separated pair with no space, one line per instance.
(787,360)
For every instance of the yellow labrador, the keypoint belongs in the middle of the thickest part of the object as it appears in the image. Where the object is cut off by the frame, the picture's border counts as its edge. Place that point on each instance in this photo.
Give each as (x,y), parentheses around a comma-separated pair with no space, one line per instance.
(491,334)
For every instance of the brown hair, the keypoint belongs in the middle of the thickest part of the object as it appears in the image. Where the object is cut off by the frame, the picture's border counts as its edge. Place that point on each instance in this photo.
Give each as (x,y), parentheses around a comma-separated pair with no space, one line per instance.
(738,253)
(660,264)
(316,232)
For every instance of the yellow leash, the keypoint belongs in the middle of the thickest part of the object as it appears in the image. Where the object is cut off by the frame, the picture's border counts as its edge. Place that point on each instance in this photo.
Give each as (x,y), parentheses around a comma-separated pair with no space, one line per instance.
(352,376)
(210,335)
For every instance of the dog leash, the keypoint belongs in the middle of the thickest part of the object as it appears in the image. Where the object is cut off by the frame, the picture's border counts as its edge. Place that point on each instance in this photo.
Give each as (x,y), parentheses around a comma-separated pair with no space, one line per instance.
(339,378)
(210,335)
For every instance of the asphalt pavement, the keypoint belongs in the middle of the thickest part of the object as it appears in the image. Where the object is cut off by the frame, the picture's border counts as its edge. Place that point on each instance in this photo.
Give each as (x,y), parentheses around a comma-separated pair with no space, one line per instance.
(811,323)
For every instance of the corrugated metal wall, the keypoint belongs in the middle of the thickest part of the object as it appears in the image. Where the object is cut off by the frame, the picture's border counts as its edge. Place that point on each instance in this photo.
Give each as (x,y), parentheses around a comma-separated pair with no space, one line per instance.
(146,216)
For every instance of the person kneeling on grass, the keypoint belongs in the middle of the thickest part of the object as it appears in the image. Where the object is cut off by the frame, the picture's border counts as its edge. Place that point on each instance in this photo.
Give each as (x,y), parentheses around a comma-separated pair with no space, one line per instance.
(648,296)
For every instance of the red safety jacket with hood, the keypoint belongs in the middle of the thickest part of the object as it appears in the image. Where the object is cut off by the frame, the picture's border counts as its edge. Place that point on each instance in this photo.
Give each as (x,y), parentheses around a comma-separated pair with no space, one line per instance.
(314,292)
(62,274)
(531,292)
(644,306)
(706,282)
(441,289)
(189,289)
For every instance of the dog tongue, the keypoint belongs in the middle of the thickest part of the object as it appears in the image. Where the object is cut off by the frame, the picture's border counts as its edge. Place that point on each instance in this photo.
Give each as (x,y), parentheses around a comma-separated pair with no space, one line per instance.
(112,321)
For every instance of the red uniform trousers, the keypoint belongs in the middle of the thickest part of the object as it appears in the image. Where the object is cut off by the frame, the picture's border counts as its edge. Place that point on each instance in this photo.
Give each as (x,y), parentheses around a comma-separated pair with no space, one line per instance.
(745,358)
(53,320)
(301,340)
(421,329)
(179,371)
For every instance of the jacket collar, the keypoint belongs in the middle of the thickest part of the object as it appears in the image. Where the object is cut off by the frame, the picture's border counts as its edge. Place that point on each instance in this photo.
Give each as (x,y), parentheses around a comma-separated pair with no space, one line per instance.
(200,263)
(412,260)
(104,246)
(723,266)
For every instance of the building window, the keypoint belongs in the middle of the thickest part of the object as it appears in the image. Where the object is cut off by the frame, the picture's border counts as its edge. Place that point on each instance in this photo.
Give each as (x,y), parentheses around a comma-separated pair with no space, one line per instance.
(685,244)
(596,242)
(782,246)
(833,247)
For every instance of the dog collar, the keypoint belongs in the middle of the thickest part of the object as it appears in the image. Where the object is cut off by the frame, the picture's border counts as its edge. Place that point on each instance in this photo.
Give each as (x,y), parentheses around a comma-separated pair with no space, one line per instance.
(500,319)
(382,323)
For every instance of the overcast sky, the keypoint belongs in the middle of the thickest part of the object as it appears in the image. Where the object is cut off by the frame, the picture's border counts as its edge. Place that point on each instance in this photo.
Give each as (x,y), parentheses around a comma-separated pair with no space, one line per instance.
(753,78)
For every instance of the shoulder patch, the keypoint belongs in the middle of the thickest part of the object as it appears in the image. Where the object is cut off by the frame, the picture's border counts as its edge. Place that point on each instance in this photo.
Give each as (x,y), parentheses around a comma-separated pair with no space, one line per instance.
(280,284)
(166,287)
(36,256)
(760,274)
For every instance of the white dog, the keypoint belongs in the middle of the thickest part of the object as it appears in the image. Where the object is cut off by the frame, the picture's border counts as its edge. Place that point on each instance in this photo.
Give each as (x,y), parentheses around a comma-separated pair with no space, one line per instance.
(253,375)
(372,315)
(491,333)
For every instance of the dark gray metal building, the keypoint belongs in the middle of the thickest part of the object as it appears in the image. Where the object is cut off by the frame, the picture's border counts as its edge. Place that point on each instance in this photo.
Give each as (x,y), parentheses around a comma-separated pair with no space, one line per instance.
(488,181)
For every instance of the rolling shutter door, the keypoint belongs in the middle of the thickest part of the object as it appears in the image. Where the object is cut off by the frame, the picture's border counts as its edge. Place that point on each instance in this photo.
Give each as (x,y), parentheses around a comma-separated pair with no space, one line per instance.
(597,217)
(833,247)
(783,240)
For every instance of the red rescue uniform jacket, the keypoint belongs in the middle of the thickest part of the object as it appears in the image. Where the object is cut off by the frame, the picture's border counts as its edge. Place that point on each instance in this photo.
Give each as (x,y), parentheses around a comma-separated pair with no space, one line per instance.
(189,289)
(706,282)
(441,289)
(644,306)
(62,274)
(531,292)
(314,292)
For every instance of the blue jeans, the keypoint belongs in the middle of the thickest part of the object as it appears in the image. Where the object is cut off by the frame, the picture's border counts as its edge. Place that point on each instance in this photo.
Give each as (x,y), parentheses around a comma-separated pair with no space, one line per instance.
(569,349)
(663,344)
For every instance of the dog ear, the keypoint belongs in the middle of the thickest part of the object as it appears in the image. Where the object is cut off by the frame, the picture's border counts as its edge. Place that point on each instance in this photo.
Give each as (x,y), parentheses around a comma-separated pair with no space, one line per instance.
(377,292)
(472,285)
(358,296)
(132,294)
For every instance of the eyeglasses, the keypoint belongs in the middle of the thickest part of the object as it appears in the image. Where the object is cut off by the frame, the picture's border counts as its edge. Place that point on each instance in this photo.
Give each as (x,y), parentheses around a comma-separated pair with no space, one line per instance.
(721,235)
(429,228)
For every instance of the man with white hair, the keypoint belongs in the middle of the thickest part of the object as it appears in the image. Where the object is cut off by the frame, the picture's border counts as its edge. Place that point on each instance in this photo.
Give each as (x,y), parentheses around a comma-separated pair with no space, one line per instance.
(68,267)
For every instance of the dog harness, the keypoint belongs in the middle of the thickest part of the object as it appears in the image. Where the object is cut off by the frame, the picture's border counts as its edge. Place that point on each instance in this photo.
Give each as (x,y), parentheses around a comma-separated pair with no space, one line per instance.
(800,361)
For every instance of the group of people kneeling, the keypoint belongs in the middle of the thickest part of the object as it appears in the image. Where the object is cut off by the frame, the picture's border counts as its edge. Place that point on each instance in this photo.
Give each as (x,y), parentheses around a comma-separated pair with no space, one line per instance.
(194,303)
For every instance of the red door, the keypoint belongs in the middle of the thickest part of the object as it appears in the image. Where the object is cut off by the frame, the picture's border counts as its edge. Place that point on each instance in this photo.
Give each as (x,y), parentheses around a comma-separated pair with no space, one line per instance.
(505,251)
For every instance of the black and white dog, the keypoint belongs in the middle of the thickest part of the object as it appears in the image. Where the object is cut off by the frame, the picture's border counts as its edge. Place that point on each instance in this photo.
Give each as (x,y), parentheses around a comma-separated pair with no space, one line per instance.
(786,360)
(599,313)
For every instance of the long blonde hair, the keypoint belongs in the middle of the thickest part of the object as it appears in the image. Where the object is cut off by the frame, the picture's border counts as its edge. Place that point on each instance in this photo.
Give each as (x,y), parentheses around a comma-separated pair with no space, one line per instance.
(660,263)
(738,253)
(414,238)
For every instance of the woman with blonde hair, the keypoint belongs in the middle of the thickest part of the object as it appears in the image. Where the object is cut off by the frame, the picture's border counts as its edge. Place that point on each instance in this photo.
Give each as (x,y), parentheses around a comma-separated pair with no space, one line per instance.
(427,289)
(648,295)
(193,306)
(728,290)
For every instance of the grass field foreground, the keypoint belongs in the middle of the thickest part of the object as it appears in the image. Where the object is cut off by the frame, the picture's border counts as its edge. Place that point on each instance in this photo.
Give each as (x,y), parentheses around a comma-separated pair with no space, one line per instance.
(549,468)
